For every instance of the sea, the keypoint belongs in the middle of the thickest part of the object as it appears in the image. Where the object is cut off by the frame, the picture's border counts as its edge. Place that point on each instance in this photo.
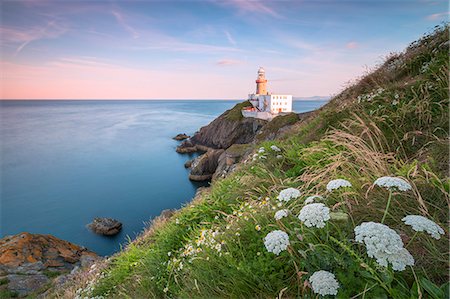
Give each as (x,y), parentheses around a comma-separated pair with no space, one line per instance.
(62,163)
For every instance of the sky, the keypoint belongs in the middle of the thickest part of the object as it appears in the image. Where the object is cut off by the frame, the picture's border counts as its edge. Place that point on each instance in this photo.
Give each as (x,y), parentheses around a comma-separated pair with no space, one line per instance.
(204,49)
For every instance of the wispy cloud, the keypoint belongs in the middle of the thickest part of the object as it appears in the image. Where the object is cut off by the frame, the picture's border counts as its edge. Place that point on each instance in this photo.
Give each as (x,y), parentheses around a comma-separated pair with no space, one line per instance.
(230,38)
(121,20)
(229,62)
(23,37)
(437,16)
(252,6)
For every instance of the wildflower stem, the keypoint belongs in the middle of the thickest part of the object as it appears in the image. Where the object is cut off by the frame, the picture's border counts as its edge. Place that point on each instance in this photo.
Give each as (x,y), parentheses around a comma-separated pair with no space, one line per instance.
(387,206)
(359,259)
(410,241)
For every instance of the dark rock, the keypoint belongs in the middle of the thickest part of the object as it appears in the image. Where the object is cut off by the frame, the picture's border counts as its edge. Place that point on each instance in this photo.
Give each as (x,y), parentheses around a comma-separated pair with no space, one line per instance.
(25,284)
(204,166)
(186,147)
(105,226)
(188,163)
(181,137)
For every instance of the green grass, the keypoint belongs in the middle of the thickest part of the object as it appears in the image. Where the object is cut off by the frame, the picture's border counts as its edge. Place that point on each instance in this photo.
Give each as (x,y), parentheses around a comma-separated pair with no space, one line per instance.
(235,113)
(6,294)
(399,131)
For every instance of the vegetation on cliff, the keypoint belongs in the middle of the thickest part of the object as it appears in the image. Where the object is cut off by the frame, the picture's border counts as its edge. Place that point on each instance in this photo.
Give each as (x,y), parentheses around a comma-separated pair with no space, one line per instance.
(391,124)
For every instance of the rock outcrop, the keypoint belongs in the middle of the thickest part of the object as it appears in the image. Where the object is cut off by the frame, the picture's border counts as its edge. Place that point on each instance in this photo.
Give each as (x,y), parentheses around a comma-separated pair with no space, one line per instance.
(229,159)
(105,226)
(29,262)
(181,136)
(204,166)
(228,129)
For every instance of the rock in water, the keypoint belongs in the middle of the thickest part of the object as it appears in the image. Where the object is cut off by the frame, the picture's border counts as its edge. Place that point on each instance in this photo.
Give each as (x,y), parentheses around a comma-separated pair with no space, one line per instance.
(105,226)
(181,136)
(26,259)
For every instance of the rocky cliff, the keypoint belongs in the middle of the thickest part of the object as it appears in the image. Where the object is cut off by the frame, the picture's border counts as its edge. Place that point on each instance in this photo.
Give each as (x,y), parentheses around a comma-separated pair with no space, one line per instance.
(229,129)
(29,262)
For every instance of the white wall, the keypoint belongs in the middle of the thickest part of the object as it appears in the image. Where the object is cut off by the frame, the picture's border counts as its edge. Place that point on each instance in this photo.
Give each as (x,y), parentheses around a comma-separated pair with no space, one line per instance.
(280,103)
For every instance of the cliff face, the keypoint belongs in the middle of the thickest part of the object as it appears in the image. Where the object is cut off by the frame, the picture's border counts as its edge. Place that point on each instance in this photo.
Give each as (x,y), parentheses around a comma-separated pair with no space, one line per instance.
(223,132)
(228,129)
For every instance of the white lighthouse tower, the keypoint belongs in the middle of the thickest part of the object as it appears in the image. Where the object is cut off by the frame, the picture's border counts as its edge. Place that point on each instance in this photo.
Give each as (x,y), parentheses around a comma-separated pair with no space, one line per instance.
(264,104)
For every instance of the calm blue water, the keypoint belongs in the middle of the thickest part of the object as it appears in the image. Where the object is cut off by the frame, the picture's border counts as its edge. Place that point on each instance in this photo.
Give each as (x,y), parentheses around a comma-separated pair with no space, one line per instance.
(65,162)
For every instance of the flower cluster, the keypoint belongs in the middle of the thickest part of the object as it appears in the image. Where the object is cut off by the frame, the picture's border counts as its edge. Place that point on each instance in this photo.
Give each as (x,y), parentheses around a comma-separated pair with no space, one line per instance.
(281,214)
(276,241)
(420,224)
(275,148)
(324,283)
(370,96)
(383,244)
(392,183)
(336,184)
(288,194)
(312,198)
(314,214)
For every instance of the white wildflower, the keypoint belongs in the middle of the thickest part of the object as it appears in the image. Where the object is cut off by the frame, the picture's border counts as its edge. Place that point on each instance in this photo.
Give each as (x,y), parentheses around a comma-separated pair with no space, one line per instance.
(261,150)
(383,244)
(276,241)
(324,283)
(288,194)
(420,224)
(169,253)
(275,148)
(281,214)
(336,184)
(391,183)
(314,214)
(312,198)
(177,221)
(166,289)
(279,156)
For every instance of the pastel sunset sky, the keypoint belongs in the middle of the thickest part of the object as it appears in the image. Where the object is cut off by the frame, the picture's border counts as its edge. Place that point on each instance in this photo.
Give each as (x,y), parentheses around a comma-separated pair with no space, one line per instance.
(202,49)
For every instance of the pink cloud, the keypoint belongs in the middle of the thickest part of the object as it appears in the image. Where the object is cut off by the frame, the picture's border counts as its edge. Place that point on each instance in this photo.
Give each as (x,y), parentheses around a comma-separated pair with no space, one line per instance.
(437,16)
(228,62)
(352,45)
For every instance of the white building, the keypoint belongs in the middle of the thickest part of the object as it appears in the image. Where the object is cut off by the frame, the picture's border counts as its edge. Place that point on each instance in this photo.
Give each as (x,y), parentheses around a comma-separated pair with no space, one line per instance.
(264,104)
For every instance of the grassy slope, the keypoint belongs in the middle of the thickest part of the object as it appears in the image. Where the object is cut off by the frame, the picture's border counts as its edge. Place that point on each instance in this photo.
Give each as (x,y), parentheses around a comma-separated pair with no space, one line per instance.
(393,121)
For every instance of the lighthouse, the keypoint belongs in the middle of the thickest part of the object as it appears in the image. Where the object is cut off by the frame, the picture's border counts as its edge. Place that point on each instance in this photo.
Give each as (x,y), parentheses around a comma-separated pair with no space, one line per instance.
(261,82)
(266,105)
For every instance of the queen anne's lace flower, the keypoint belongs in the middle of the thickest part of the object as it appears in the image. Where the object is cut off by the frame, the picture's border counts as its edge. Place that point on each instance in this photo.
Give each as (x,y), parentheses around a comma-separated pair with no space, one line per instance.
(420,224)
(276,241)
(275,148)
(312,198)
(390,183)
(336,184)
(314,214)
(288,194)
(281,214)
(324,283)
(383,244)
